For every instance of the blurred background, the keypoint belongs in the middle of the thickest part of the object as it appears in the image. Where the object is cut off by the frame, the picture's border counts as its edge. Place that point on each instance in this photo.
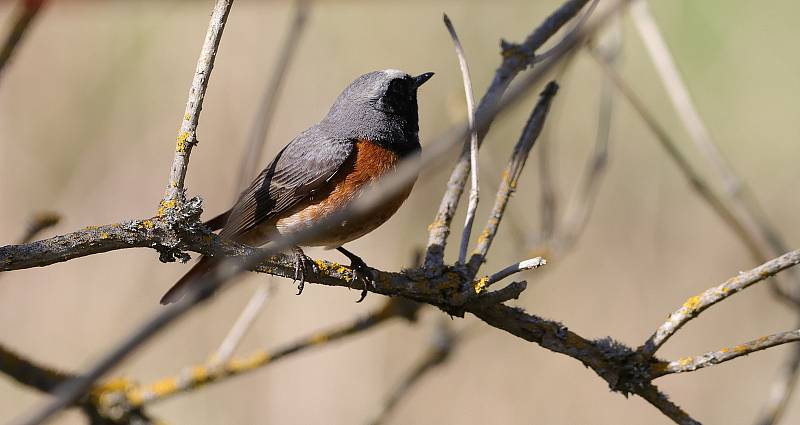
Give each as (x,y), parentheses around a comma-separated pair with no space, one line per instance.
(91,103)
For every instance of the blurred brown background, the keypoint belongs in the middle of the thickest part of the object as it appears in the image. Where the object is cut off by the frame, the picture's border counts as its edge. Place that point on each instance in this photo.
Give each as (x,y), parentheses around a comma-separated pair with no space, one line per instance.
(90,106)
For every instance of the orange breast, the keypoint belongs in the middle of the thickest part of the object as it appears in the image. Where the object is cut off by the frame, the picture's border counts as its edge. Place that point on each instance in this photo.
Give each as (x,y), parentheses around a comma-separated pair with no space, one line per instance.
(369,163)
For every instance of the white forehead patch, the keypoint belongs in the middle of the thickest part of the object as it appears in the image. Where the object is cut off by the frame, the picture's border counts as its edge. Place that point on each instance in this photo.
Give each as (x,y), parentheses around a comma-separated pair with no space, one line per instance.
(394,73)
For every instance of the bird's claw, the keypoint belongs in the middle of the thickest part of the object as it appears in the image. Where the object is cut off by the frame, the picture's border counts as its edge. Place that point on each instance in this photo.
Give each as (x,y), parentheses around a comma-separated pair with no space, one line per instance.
(360,271)
(301,264)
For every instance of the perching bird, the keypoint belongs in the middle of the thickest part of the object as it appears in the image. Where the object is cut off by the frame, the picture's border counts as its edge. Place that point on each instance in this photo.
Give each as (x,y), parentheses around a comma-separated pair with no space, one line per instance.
(371,127)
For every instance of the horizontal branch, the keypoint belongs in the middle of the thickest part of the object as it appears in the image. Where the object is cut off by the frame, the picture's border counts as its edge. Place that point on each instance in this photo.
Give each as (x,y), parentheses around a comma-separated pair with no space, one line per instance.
(698,303)
(690,364)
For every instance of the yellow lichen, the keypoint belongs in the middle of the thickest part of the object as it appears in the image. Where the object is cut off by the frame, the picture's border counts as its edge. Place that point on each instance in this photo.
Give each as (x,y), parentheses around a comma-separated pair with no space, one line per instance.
(148,224)
(692,303)
(182,141)
(685,361)
(200,373)
(187,117)
(104,235)
(739,348)
(319,338)
(480,285)
(166,205)
(165,386)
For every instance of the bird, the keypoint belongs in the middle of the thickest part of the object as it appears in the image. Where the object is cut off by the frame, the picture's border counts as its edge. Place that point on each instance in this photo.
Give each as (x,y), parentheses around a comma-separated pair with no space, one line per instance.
(371,127)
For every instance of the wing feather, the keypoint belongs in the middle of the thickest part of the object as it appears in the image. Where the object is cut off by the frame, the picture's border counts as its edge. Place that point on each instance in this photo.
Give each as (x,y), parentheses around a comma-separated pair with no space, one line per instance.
(303,167)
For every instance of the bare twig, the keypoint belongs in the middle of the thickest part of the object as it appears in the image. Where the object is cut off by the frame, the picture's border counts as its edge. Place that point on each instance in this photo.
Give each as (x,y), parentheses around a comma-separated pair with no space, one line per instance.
(473,141)
(522,266)
(440,349)
(698,303)
(510,176)
(187,136)
(23,15)
(743,202)
(515,59)
(731,217)
(266,110)
(242,324)
(38,223)
(782,389)
(582,201)
(690,364)
(196,376)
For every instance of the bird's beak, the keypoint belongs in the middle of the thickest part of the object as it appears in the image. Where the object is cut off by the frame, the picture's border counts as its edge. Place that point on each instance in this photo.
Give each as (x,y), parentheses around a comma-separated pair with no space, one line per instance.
(422,78)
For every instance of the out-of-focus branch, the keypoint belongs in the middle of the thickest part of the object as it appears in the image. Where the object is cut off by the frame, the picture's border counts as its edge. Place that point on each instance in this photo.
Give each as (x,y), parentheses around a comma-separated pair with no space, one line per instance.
(510,176)
(582,202)
(698,303)
(243,323)
(690,364)
(473,141)
(266,110)
(743,202)
(438,353)
(174,196)
(782,389)
(516,58)
(134,396)
(40,222)
(23,15)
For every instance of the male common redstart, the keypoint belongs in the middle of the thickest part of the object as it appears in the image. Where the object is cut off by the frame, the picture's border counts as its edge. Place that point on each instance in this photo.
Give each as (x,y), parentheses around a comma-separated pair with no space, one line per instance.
(371,127)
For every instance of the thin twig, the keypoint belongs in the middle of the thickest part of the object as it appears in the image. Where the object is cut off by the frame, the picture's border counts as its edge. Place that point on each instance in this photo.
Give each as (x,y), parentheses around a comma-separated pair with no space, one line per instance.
(742,200)
(698,303)
(690,364)
(522,266)
(781,390)
(40,222)
(516,58)
(729,216)
(187,136)
(473,141)
(583,199)
(440,350)
(266,110)
(243,323)
(510,176)
(23,15)
(196,376)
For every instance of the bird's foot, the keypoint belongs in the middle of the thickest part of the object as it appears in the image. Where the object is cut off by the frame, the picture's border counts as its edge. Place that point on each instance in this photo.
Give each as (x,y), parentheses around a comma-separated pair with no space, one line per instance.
(301,264)
(360,270)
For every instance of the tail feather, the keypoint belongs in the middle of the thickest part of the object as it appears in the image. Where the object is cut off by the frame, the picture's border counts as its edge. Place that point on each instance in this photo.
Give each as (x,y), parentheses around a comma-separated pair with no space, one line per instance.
(180,287)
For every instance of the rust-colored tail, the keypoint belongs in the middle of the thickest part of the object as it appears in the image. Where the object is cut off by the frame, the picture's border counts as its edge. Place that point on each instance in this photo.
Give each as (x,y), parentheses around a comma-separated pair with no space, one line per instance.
(180,287)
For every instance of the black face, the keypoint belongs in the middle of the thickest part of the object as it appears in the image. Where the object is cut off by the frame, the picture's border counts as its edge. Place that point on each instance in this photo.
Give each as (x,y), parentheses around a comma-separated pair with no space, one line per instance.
(400,97)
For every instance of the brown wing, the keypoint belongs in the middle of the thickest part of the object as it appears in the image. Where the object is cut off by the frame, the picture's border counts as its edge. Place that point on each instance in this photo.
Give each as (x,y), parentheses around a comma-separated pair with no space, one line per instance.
(304,166)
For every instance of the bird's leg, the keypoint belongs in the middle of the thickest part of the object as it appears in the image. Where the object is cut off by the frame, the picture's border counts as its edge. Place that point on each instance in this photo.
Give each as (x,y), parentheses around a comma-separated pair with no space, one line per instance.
(301,264)
(360,269)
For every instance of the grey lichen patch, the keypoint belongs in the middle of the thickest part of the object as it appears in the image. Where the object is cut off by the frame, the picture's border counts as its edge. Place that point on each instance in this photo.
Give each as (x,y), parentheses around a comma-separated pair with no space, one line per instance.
(629,371)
